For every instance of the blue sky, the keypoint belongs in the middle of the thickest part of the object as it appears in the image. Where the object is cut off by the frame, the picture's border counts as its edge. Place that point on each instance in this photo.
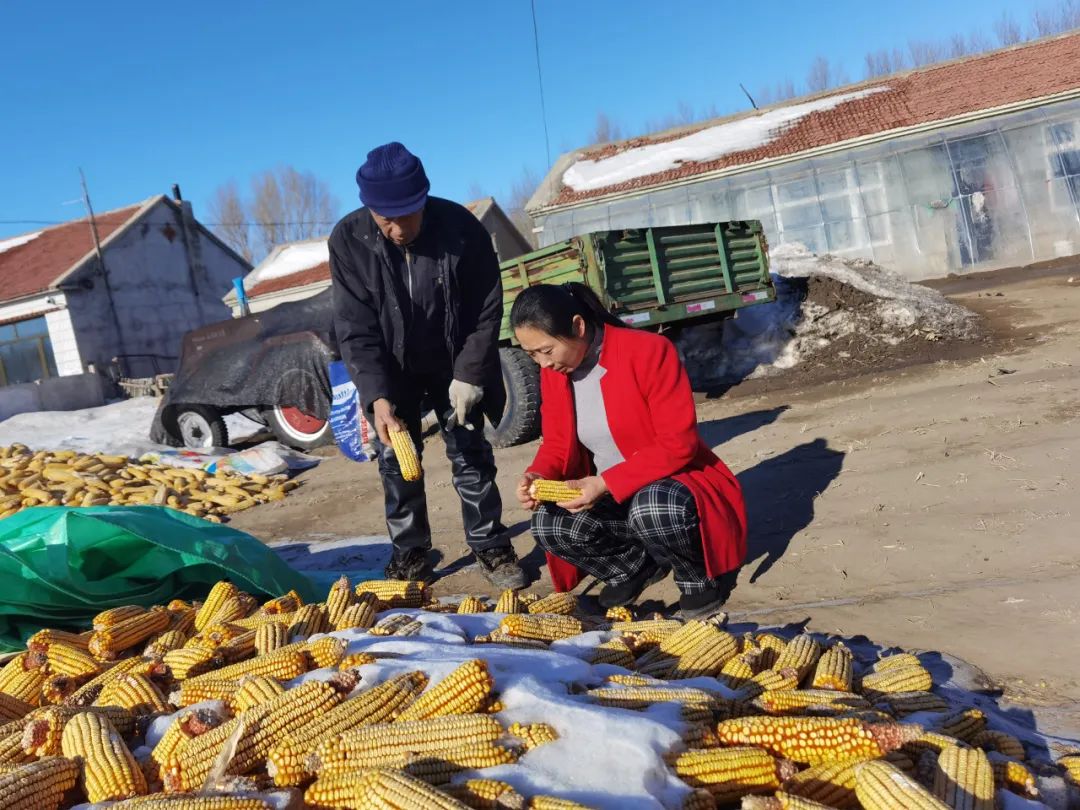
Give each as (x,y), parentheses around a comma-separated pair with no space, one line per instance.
(144,95)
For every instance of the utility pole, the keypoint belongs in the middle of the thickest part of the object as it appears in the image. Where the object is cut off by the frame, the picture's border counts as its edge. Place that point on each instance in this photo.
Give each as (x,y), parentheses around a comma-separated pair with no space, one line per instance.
(101,263)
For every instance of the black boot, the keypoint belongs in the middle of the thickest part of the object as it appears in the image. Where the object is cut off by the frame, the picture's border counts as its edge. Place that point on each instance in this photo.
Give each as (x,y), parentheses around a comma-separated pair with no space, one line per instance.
(626,593)
(500,566)
(710,601)
(411,564)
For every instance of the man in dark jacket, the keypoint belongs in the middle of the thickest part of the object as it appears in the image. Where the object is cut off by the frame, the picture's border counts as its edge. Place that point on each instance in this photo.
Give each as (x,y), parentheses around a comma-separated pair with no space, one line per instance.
(417,312)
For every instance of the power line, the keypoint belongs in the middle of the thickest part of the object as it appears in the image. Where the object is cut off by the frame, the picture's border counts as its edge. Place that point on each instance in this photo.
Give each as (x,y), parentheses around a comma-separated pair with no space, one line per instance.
(212,224)
(540,81)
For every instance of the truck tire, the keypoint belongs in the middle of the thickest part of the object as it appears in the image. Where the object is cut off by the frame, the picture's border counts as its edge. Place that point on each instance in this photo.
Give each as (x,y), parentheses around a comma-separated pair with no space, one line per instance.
(296,429)
(520,421)
(200,426)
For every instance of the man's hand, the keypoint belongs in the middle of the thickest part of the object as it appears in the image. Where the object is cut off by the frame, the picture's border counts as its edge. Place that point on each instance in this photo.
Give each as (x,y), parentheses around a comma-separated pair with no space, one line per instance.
(592,489)
(463,398)
(523,496)
(385,421)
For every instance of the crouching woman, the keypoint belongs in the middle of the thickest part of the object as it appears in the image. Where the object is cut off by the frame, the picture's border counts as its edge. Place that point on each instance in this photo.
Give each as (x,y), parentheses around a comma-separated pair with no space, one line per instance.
(619,424)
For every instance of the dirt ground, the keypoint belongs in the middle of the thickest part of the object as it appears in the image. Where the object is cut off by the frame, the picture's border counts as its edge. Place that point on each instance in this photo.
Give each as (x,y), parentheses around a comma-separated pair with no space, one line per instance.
(932,506)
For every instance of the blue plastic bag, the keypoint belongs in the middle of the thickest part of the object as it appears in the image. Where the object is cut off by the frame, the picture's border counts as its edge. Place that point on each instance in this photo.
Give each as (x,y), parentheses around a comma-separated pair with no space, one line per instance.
(351,430)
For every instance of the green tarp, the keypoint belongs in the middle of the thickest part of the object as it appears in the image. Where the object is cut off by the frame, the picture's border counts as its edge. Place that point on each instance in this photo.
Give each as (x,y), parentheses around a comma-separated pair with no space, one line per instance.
(61,566)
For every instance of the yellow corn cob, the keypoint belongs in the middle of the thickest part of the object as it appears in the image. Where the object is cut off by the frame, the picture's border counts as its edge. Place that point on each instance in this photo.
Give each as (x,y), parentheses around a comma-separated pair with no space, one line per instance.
(740,669)
(40,785)
(340,597)
(380,789)
(772,645)
(360,616)
(563,604)
(14,669)
(834,669)
(782,801)
(88,692)
(929,741)
(656,628)
(287,761)
(186,726)
(633,680)
(769,680)
(880,786)
(471,604)
(116,615)
(395,593)
(542,627)
(199,690)
(254,733)
(815,740)
(271,636)
(699,799)
(254,690)
(231,610)
(165,642)
(613,652)
(964,779)
(440,767)
(898,661)
(43,732)
(619,614)
(463,691)
(392,625)
(484,794)
(897,679)
(533,734)
(109,642)
(554,803)
(901,704)
(43,638)
(219,594)
(707,657)
(640,697)
(11,750)
(26,686)
(553,491)
(11,708)
(183,621)
(324,652)
(308,621)
(800,654)
(1014,776)
(796,701)
(217,635)
(1001,742)
(356,660)
(832,784)
(963,725)
(288,603)
(195,802)
(191,662)
(407,457)
(65,659)
(109,770)
(136,693)
(499,637)
(730,773)
(374,745)
(510,602)
(283,665)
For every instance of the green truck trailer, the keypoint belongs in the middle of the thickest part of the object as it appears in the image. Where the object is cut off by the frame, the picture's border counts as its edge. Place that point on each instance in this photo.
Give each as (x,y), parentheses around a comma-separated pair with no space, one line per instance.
(659,278)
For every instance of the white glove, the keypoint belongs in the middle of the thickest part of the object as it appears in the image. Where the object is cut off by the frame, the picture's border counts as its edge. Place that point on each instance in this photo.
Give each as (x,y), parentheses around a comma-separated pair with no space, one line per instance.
(463,398)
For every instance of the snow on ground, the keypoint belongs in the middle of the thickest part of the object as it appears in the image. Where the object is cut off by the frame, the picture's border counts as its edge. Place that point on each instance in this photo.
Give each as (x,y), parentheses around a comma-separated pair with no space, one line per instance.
(707,144)
(16,241)
(767,339)
(121,428)
(290,259)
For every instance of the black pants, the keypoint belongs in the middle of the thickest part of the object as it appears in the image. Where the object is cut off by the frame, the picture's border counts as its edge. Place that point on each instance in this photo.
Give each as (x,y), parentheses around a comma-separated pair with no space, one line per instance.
(613,541)
(473,474)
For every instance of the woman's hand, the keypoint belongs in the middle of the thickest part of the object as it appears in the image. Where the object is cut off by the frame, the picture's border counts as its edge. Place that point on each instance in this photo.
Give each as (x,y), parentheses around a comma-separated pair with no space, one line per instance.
(524,498)
(592,489)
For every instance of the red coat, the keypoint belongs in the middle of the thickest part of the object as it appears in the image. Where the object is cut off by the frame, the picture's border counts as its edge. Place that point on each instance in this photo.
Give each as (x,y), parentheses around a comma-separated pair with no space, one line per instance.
(653,420)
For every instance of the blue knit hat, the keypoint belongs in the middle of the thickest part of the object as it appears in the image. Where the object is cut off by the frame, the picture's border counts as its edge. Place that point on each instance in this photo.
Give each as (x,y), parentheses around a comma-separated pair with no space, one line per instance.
(392,181)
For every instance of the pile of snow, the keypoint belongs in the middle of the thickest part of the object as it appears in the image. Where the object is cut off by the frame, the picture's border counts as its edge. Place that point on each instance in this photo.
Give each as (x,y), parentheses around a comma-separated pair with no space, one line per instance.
(711,143)
(867,303)
(120,428)
(16,241)
(289,259)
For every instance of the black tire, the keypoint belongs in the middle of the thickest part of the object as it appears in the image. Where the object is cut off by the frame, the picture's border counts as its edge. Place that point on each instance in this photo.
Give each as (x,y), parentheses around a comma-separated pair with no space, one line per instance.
(293,436)
(520,421)
(200,426)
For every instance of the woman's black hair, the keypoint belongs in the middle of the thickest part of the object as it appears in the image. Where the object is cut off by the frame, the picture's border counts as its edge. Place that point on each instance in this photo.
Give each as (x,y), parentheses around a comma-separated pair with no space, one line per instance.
(551,308)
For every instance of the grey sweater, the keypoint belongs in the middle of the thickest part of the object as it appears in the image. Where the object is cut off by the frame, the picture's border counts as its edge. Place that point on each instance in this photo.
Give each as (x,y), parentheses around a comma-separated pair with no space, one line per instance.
(593,430)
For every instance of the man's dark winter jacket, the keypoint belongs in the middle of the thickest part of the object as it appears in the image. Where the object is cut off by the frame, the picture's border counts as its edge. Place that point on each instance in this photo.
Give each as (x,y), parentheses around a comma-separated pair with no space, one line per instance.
(371,305)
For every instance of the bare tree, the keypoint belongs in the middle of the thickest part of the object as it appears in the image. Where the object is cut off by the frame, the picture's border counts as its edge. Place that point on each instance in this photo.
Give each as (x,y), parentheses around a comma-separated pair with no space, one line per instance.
(230,220)
(925,52)
(1056,19)
(1007,30)
(288,205)
(685,114)
(606,130)
(521,190)
(781,91)
(884,62)
(819,76)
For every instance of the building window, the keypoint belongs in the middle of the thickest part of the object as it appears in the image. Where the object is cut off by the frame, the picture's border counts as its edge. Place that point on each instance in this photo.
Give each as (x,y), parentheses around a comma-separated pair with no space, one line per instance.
(1063,152)
(25,352)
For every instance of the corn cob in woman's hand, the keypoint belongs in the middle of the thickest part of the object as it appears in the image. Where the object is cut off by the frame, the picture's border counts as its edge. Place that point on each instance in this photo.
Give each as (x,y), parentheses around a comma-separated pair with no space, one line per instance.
(407,458)
(553,491)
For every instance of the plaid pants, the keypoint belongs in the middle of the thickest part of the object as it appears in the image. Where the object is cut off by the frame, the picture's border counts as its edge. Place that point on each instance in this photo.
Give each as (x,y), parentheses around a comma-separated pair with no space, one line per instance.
(613,541)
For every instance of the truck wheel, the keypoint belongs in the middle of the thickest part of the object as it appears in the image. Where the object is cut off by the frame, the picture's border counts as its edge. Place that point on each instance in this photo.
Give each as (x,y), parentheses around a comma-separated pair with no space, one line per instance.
(296,429)
(520,421)
(200,427)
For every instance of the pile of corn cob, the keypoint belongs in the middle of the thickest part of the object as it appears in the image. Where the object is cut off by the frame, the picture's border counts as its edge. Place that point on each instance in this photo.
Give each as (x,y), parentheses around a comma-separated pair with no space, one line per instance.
(769,723)
(67,478)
